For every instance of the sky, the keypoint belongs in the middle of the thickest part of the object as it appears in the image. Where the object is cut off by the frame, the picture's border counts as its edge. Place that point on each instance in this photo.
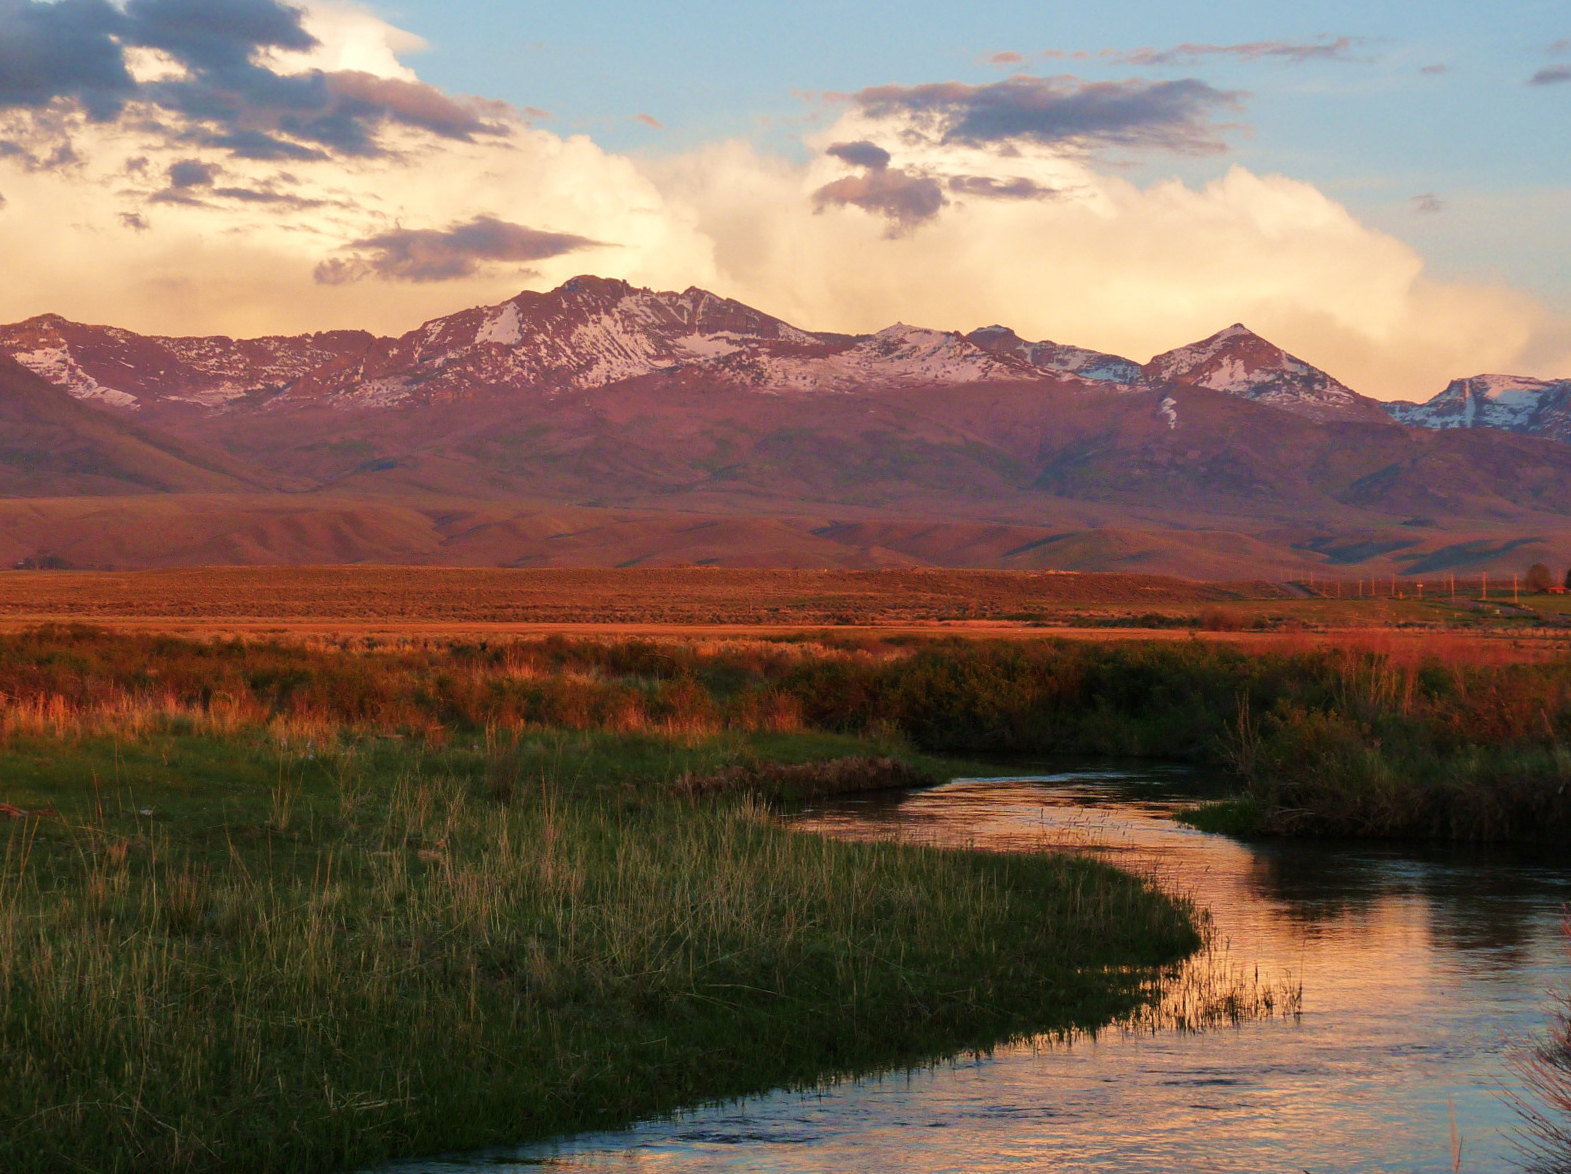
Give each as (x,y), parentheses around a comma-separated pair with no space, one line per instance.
(1383,189)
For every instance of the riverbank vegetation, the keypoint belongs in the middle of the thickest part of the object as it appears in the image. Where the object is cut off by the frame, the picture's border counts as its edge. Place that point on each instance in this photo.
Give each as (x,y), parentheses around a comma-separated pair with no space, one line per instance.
(299,905)
(236,939)
(1323,741)
(1544,1068)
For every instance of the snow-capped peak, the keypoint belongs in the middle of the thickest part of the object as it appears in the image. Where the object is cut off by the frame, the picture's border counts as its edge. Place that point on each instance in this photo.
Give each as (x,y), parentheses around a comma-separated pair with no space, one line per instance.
(1056,357)
(1515,403)
(1239,362)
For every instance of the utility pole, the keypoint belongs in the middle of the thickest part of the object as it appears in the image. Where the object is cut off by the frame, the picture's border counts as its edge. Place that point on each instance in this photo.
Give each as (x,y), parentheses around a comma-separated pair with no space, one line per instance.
(1515,598)
(1483,585)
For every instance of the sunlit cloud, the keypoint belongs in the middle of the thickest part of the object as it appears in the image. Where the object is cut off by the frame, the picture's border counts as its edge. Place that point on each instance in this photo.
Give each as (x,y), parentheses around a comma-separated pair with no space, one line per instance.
(135,197)
(462,250)
(1061,111)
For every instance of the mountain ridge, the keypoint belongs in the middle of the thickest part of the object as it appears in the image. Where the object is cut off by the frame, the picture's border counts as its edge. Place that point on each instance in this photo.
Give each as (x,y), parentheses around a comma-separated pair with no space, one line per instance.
(651,405)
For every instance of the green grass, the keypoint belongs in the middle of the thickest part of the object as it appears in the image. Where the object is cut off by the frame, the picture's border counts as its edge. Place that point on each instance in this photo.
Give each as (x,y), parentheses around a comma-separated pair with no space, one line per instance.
(274,951)
(1243,817)
(1326,741)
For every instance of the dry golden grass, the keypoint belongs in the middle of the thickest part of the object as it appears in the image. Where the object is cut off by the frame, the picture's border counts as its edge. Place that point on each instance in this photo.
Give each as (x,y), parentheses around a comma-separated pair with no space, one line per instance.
(409,606)
(695,595)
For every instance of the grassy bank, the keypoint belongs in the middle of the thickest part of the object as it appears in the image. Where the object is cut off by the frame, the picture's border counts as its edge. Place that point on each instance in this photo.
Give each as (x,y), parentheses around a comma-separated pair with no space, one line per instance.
(1324,741)
(295,946)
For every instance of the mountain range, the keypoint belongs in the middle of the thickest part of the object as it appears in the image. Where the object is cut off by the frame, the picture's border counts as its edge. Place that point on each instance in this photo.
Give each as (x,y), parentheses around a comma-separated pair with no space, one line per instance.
(602,423)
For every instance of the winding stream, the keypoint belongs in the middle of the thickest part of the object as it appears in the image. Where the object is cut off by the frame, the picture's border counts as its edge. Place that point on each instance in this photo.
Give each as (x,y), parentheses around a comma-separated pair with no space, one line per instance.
(1418,967)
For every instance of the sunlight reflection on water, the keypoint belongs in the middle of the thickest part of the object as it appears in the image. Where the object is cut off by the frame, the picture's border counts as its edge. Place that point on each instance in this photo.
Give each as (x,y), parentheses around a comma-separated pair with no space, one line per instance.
(1418,967)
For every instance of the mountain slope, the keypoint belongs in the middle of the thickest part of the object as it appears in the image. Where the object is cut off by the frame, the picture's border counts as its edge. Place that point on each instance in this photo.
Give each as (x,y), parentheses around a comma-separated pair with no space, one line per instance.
(706,429)
(52,444)
(1057,357)
(1512,403)
(1239,362)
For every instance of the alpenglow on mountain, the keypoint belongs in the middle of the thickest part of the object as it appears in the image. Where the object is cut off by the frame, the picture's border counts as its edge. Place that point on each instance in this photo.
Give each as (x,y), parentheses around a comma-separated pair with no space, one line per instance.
(591,332)
(1514,403)
(604,424)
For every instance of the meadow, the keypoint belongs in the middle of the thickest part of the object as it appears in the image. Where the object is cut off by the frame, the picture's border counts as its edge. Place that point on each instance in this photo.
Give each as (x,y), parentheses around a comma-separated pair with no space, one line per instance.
(271,907)
(303,904)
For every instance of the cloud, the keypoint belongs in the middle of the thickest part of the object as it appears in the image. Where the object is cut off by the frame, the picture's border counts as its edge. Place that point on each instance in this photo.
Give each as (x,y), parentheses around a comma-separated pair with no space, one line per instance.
(1007,57)
(1061,111)
(216,65)
(986,187)
(1551,75)
(1428,202)
(66,50)
(1106,263)
(192,173)
(860,154)
(1020,225)
(1294,52)
(905,198)
(650,121)
(426,254)
(1435,70)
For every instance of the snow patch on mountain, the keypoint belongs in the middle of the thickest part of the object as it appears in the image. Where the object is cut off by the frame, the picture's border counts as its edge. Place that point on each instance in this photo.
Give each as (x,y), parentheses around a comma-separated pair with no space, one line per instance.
(59,366)
(1513,403)
(1168,410)
(1057,357)
(504,326)
(1237,361)
(709,346)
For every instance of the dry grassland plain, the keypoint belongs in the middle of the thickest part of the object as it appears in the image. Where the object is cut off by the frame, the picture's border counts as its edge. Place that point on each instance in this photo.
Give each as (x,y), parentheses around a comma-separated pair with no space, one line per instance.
(703,603)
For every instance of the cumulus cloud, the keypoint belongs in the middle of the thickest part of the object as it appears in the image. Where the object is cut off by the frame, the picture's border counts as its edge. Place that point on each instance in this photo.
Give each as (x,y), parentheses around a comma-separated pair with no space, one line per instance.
(63,50)
(860,154)
(949,206)
(426,254)
(987,187)
(216,64)
(192,173)
(905,198)
(1059,111)
(1105,263)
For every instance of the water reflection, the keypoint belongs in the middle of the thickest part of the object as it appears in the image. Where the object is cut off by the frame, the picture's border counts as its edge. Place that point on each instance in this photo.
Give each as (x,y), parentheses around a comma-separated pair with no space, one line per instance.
(1418,966)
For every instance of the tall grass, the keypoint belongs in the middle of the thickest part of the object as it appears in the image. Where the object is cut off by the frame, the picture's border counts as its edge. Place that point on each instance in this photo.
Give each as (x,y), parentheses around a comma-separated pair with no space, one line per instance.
(1326,740)
(1545,1070)
(229,956)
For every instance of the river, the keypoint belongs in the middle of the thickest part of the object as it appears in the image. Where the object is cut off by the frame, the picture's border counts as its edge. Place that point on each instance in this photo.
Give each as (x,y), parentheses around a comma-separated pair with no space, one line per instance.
(1418,965)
